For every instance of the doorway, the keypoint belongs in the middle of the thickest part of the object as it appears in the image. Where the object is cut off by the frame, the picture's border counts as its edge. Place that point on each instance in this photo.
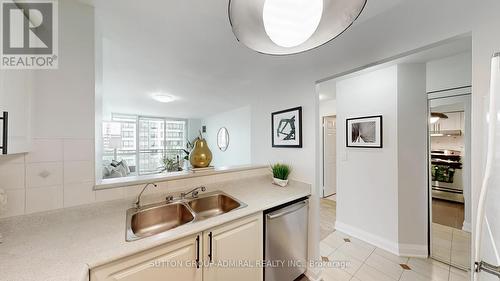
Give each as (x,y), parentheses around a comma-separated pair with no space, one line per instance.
(449,166)
(329,157)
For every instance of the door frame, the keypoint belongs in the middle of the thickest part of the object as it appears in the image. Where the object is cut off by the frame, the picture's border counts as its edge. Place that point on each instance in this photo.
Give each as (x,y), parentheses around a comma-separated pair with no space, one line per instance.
(443,94)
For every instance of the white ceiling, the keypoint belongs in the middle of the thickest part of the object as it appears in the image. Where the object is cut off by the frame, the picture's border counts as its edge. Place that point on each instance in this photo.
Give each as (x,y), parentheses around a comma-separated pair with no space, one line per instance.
(187,49)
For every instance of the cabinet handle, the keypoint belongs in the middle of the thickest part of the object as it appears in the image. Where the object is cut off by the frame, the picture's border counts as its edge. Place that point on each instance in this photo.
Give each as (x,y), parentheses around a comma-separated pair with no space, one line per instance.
(198,251)
(5,134)
(210,246)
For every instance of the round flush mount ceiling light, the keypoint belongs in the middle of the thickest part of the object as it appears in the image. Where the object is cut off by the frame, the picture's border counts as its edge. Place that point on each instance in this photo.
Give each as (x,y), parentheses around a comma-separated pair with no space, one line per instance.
(164,98)
(284,27)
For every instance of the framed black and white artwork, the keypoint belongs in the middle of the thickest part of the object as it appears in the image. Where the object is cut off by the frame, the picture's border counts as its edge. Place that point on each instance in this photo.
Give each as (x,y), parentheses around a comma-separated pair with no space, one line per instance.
(364,132)
(286,127)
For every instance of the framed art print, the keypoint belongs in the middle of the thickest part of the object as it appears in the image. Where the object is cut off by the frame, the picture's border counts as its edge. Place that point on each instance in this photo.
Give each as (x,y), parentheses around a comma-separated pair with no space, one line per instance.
(364,132)
(286,128)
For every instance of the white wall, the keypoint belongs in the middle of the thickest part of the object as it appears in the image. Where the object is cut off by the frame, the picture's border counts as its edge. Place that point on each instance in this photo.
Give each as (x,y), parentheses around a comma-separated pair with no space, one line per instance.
(59,172)
(237,122)
(367,178)
(450,72)
(390,182)
(412,160)
(327,108)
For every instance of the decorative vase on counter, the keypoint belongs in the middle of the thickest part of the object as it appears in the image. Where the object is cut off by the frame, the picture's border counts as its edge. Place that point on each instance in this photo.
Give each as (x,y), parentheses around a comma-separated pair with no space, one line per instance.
(200,156)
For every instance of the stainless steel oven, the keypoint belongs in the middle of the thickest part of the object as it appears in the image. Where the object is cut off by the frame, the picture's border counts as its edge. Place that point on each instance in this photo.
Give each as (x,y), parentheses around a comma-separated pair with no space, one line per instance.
(447,178)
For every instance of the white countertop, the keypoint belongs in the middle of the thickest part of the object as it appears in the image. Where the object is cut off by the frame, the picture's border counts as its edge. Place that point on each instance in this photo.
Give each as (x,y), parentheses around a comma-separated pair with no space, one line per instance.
(64,244)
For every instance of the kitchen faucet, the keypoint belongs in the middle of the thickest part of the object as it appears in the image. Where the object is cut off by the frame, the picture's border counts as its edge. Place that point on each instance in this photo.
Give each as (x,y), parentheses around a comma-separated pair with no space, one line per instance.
(138,201)
(194,192)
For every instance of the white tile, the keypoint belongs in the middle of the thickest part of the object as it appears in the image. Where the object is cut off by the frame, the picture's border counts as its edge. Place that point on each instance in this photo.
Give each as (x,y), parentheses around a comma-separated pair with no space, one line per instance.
(12,175)
(109,194)
(78,150)
(409,275)
(45,150)
(368,273)
(44,174)
(44,199)
(435,270)
(352,264)
(78,171)
(357,250)
(441,249)
(78,194)
(390,256)
(393,270)
(15,203)
(12,159)
(324,249)
(335,274)
(334,240)
(459,275)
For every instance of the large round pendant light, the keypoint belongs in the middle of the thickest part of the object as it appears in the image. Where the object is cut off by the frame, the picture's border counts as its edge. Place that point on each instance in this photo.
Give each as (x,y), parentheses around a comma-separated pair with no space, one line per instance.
(284,27)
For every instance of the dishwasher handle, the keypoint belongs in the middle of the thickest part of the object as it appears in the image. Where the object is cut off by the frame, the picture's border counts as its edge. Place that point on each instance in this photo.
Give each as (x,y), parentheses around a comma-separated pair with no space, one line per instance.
(287,210)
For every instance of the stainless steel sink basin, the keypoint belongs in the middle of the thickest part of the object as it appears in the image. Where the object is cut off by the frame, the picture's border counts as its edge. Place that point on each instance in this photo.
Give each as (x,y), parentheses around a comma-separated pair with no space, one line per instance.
(157,218)
(213,205)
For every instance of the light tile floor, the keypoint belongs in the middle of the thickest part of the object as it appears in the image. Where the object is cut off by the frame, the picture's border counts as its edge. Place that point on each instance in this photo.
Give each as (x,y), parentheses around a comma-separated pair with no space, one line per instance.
(365,262)
(451,245)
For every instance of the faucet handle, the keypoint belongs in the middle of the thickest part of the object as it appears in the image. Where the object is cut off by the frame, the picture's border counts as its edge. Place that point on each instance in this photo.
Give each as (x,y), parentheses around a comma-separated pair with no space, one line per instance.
(169,198)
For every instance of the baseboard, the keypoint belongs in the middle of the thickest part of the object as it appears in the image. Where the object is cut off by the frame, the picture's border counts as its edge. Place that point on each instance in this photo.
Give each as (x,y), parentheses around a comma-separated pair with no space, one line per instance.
(375,240)
(405,250)
(467,227)
(413,251)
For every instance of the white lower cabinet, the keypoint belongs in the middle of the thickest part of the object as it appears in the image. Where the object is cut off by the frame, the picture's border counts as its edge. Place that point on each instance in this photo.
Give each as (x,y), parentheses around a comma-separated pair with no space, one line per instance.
(226,253)
(176,259)
(232,249)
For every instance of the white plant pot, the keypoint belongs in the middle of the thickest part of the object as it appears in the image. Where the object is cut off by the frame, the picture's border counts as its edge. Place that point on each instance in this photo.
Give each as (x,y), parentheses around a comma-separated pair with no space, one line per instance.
(280,182)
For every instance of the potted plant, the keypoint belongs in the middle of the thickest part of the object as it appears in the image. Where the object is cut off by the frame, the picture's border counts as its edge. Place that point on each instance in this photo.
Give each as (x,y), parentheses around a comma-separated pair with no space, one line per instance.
(280,174)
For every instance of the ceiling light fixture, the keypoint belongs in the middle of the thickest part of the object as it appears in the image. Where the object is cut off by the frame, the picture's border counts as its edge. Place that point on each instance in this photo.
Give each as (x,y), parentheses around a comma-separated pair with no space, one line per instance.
(164,98)
(284,27)
(436,116)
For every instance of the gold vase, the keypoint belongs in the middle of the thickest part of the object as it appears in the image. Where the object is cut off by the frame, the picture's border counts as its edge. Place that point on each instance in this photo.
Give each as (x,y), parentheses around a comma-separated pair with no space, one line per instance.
(200,156)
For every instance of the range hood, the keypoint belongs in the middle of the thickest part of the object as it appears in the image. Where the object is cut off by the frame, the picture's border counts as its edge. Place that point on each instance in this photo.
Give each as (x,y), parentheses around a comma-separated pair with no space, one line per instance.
(446,133)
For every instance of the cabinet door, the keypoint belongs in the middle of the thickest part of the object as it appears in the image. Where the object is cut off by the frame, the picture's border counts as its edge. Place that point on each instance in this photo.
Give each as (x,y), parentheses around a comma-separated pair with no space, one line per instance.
(230,244)
(173,261)
(453,122)
(16,88)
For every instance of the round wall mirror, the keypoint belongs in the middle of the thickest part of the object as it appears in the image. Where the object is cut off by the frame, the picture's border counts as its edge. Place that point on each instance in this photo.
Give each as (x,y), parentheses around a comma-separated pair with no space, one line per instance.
(223,139)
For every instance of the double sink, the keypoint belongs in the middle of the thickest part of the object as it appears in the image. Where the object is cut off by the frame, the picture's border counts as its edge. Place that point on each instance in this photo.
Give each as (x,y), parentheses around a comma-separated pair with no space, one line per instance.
(157,218)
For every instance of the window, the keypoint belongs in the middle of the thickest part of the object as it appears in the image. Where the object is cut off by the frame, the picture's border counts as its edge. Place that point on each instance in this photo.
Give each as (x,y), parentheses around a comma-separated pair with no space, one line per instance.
(143,142)
(119,142)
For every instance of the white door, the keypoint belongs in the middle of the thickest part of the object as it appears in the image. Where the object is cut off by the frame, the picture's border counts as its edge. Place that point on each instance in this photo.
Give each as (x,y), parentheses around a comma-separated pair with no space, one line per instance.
(239,243)
(488,219)
(329,156)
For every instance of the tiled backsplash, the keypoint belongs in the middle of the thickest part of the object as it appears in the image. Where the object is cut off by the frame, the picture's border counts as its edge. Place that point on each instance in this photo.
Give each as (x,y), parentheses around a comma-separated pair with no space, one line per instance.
(449,143)
(57,173)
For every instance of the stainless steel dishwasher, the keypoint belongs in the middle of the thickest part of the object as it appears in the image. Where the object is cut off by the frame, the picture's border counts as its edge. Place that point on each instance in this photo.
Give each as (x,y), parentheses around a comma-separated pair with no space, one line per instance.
(286,241)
